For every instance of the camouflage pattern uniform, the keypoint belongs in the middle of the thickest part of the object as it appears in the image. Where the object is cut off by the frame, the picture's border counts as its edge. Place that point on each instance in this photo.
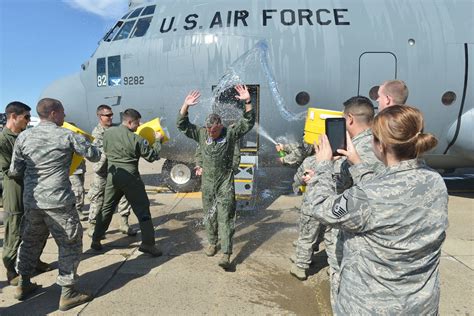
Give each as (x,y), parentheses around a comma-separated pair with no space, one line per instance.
(12,201)
(123,149)
(43,155)
(332,238)
(77,185)
(309,227)
(393,227)
(99,179)
(295,154)
(218,192)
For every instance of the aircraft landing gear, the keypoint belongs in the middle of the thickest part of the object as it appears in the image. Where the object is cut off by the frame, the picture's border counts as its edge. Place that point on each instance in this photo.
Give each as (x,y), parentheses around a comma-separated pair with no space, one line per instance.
(180,176)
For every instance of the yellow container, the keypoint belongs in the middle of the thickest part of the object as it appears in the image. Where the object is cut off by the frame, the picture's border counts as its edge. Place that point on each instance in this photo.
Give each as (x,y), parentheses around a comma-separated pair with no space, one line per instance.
(76,159)
(315,123)
(147,130)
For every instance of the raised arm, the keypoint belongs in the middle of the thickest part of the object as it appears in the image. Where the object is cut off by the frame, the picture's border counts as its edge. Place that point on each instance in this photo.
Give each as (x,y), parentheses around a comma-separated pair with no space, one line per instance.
(246,123)
(183,122)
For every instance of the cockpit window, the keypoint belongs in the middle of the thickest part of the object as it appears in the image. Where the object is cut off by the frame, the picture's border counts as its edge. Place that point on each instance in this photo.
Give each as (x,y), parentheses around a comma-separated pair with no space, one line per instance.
(115,72)
(110,34)
(141,27)
(135,13)
(149,10)
(125,30)
(126,15)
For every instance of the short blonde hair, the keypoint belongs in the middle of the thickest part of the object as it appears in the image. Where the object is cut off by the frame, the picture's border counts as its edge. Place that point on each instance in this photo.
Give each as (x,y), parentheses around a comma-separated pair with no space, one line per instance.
(397,89)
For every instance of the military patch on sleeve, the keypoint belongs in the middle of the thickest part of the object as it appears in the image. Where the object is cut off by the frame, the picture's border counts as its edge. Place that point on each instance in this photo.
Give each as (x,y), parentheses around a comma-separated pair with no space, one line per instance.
(145,143)
(339,208)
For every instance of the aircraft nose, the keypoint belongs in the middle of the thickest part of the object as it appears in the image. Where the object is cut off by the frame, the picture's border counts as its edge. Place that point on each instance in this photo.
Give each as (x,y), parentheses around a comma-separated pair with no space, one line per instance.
(71,92)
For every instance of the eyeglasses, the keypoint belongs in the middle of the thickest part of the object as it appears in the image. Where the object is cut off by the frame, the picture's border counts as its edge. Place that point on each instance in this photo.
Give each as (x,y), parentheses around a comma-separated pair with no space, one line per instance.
(108,115)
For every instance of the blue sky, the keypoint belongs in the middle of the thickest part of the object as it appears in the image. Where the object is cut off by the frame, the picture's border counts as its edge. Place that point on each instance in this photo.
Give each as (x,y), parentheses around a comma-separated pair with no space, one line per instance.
(44,40)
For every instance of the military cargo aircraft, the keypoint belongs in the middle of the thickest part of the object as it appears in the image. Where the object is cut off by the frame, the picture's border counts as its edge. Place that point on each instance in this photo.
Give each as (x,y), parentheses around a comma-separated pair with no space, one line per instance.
(292,55)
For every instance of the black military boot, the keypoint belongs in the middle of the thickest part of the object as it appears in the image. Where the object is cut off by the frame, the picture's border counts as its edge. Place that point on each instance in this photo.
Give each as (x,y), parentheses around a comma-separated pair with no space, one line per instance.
(25,288)
(71,298)
(148,239)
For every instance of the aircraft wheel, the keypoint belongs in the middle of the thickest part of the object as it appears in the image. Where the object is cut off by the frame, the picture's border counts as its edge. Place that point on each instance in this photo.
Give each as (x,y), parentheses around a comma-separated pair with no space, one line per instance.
(180,177)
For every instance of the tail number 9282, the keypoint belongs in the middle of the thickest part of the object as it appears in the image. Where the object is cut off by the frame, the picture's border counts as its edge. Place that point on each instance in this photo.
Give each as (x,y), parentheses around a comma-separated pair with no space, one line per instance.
(133,80)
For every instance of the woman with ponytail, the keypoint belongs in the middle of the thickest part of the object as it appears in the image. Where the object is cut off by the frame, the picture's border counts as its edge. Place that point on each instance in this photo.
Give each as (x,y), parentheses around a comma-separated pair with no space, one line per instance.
(393,222)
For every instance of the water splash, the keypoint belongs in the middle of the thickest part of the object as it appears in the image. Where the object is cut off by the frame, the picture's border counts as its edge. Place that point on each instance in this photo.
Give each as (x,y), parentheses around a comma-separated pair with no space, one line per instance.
(252,60)
(264,133)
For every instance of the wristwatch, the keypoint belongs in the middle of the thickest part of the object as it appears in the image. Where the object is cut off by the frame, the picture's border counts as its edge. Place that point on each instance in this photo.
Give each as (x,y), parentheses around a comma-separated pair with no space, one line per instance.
(248,102)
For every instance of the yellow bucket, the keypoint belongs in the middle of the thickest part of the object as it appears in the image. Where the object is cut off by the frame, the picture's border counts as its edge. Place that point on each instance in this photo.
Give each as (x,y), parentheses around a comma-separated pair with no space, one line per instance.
(76,159)
(147,130)
(315,123)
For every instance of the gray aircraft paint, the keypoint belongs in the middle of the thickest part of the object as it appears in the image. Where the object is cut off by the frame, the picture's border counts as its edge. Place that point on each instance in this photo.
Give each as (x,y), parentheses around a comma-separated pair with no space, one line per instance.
(344,49)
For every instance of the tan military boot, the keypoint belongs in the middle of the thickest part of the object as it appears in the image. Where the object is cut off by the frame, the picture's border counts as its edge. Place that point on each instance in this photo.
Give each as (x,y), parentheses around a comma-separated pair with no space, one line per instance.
(25,288)
(43,266)
(71,298)
(210,250)
(298,272)
(12,277)
(224,261)
(150,249)
(90,231)
(125,227)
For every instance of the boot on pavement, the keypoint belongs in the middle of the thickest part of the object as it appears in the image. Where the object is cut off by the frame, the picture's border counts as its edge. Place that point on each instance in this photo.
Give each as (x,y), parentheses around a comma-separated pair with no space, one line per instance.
(25,288)
(210,250)
(71,298)
(125,227)
(96,245)
(298,272)
(148,239)
(224,261)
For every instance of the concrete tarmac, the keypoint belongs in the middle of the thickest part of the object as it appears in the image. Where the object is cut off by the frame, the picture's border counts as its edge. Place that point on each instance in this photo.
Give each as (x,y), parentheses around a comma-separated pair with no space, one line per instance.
(186,282)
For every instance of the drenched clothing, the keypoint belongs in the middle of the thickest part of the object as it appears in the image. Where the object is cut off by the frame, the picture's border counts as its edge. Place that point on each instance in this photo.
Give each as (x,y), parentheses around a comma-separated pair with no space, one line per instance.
(393,227)
(218,194)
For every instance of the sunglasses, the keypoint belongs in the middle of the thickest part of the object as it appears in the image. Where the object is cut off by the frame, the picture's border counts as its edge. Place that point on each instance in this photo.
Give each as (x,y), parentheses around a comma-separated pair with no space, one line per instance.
(108,115)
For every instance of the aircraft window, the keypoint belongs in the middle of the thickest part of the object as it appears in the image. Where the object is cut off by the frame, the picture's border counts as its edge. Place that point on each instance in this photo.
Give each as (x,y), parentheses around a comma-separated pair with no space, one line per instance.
(135,13)
(115,72)
(141,27)
(374,93)
(125,30)
(302,98)
(101,73)
(149,10)
(448,98)
(126,15)
(108,37)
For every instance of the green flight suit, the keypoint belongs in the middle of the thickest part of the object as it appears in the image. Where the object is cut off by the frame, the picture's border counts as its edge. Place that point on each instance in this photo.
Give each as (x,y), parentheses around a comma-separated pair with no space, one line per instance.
(218,193)
(123,149)
(12,201)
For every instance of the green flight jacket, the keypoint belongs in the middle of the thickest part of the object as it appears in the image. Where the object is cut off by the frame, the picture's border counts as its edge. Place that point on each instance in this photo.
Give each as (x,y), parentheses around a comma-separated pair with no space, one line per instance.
(217,155)
(124,148)
(12,188)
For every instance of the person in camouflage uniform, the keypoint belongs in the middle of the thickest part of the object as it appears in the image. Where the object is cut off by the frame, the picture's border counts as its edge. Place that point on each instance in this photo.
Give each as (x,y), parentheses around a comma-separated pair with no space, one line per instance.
(77,186)
(392,92)
(217,145)
(99,177)
(42,156)
(18,116)
(123,149)
(393,221)
(295,153)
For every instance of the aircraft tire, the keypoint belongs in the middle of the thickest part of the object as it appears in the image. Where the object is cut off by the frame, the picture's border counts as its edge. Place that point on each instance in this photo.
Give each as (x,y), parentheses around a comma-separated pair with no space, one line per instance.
(180,176)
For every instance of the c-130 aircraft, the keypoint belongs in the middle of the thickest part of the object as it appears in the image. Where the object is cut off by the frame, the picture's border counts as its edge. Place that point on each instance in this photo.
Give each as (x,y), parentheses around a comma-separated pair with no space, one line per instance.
(292,55)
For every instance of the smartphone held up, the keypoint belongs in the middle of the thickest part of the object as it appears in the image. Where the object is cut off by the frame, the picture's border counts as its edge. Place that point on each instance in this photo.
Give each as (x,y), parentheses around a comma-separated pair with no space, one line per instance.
(336,133)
